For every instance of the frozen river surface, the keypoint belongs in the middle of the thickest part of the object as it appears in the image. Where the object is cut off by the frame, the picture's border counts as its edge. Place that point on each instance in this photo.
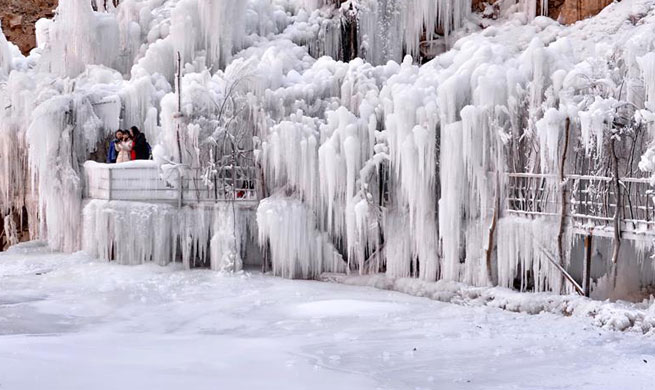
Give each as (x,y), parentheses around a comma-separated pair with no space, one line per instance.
(67,322)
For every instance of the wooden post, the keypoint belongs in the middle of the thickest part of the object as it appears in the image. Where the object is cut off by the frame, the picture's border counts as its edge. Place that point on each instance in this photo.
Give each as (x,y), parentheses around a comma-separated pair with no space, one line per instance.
(586,271)
(2,235)
(266,249)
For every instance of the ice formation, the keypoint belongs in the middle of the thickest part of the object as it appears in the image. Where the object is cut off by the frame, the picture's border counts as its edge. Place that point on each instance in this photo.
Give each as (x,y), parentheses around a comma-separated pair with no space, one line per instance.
(6,56)
(298,249)
(372,164)
(138,232)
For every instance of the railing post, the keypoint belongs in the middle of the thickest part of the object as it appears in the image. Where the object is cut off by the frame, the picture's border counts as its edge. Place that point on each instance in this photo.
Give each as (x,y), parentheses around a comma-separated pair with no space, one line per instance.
(234,179)
(110,186)
(180,193)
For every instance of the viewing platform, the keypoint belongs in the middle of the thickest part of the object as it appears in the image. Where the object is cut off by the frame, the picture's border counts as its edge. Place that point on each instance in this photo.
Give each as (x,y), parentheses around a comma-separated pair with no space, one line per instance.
(142,181)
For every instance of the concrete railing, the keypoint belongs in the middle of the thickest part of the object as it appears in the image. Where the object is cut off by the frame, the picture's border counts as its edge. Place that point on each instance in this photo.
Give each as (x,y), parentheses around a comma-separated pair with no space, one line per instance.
(141,181)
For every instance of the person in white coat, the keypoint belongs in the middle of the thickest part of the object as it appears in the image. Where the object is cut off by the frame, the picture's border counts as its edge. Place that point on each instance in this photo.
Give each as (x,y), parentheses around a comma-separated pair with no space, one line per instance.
(125,149)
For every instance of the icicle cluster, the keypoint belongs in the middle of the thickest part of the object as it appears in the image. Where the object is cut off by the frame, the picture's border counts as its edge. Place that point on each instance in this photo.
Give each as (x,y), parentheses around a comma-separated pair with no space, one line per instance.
(79,37)
(298,249)
(528,252)
(390,28)
(134,233)
(411,119)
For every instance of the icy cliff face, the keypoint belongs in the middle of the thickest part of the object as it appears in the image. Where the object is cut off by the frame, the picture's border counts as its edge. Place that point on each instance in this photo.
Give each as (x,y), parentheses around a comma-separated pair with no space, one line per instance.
(6,57)
(377,164)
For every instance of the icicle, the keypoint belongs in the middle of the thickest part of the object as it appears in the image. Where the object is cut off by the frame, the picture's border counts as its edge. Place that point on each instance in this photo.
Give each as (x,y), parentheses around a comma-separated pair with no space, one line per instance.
(297,170)
(450,219)
(647,65)
(549,130)
(595,123)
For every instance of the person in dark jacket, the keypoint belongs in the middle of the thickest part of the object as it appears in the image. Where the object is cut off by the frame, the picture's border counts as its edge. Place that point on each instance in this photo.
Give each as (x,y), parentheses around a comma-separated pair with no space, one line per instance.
(112,152)
(141,146)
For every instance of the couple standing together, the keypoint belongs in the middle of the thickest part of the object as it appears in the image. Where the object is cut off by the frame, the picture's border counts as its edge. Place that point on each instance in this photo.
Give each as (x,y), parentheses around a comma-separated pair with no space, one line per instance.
(128,145)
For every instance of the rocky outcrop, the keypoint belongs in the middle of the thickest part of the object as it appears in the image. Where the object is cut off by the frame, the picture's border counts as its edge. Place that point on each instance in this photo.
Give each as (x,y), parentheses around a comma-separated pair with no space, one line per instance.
(18,18)
(566,11)
(573,10)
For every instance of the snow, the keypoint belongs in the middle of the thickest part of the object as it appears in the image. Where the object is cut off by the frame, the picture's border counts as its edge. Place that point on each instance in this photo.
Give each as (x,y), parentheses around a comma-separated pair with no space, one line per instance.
(636,318)
(68,322)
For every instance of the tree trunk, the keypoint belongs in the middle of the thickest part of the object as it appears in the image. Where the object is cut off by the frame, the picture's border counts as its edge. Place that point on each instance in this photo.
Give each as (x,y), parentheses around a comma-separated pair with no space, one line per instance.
(178,116)
(492,232)
(617,210)
(564,202)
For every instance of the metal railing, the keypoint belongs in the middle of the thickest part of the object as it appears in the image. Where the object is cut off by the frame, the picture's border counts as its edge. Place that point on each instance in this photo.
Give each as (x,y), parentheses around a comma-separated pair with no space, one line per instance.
(591,202)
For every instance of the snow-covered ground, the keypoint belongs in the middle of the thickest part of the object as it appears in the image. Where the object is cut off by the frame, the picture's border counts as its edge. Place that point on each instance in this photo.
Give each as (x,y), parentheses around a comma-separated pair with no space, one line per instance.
(69,322)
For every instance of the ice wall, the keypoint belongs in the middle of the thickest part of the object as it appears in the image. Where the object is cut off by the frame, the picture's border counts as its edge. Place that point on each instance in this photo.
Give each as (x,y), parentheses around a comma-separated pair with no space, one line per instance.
(6,58)
(498,101)
(377,165)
